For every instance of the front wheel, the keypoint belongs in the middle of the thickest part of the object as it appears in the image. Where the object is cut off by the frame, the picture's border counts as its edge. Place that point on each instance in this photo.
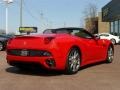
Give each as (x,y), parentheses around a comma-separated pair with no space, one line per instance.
(110,55)
(73,61)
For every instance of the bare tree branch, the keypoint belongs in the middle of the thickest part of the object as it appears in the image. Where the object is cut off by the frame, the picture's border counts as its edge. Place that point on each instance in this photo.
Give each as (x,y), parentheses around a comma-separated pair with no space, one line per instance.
(90,15)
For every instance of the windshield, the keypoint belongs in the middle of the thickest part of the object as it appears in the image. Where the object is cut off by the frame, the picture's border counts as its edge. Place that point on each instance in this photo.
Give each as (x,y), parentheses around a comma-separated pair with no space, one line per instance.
(80,32)
(56,31)
(61,31)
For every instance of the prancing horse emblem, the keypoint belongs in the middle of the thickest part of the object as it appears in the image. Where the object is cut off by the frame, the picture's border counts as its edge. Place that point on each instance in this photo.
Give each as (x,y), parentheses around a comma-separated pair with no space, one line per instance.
(24,43)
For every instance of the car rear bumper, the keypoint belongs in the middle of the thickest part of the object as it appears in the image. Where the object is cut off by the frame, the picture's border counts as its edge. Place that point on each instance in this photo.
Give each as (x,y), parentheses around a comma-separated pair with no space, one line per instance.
(45,62)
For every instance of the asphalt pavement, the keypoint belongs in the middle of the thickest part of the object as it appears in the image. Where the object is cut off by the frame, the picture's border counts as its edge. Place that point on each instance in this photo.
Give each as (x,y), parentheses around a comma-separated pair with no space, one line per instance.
(96,77)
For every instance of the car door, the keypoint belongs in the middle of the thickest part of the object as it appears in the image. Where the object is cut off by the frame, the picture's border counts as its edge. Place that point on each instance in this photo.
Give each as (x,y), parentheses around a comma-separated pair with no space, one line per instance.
(93,50)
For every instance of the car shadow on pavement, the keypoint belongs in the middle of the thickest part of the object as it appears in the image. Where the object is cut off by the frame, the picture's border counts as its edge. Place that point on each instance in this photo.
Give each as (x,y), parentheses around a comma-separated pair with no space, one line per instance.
(34,72)
(44,72)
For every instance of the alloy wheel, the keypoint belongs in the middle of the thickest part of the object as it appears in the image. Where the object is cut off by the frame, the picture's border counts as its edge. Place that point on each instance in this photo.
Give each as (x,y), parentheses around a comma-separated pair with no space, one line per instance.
(110,55)
(73,61)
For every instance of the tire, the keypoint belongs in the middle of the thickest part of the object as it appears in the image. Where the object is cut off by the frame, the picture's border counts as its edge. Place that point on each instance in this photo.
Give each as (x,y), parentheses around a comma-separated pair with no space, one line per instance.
(73,61)
(110,55)
(113,41)
(1,46)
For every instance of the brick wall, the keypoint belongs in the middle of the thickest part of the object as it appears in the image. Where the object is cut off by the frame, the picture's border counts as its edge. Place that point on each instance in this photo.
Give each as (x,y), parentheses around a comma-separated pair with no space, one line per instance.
(102,26)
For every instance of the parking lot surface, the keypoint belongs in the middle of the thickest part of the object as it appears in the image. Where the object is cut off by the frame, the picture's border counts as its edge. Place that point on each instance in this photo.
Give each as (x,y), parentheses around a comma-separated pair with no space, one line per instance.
(96,77)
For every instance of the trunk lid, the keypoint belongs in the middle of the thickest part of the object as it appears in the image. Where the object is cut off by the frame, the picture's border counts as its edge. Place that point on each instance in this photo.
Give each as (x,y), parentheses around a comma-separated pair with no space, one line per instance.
(30,42)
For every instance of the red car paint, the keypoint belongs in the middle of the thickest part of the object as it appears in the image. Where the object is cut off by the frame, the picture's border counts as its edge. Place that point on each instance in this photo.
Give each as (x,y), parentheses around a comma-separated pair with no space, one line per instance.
(92,50)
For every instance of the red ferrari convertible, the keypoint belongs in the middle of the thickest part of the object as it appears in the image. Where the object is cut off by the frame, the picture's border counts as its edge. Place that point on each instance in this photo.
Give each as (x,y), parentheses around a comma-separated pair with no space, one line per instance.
(65,49)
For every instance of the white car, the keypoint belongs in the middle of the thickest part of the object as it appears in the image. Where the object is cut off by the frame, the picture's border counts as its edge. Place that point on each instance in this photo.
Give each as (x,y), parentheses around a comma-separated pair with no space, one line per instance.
(112,38)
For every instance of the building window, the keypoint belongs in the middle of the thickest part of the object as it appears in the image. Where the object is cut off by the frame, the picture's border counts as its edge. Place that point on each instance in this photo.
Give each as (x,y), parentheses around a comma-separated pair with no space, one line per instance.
(116,28)
(111,27)
(119,27)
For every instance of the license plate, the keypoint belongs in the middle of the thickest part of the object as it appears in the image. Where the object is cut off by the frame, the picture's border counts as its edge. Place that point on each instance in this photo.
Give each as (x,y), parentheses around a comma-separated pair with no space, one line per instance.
(24,53)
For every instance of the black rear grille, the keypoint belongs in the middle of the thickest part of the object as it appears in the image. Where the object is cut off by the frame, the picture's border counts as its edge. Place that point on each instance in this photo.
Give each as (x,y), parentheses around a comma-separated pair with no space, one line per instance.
(21,52)
(14,52)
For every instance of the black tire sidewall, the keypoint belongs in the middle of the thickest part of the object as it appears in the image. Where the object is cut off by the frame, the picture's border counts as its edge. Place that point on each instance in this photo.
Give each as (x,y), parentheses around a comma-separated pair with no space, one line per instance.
(67,68)
(107,60)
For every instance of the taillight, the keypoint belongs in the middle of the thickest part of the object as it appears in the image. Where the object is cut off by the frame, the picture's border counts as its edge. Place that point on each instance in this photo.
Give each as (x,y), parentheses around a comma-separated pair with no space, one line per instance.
(47,40)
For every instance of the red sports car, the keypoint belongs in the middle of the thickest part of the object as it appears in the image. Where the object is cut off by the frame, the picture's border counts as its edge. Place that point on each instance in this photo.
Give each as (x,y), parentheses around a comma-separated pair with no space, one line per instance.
(65,49)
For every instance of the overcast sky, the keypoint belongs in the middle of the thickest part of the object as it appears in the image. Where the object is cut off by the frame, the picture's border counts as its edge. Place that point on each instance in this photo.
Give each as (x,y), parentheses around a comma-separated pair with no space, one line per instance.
(47,13)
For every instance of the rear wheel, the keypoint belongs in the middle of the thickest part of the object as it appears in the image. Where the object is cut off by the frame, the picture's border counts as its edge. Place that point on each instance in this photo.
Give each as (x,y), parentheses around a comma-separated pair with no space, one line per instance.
(110,55)
(113,41)
(73,61)
(1,46)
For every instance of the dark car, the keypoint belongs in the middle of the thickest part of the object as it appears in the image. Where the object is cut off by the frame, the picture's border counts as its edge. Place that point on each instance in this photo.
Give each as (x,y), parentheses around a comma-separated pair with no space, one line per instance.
(6,36)
(3,41)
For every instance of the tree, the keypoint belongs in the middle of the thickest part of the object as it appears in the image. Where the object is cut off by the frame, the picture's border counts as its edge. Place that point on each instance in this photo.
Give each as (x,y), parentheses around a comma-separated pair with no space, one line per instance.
(91,19)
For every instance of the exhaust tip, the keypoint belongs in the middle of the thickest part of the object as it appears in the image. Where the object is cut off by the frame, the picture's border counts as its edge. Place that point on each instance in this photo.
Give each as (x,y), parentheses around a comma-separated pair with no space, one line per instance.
(51,63)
